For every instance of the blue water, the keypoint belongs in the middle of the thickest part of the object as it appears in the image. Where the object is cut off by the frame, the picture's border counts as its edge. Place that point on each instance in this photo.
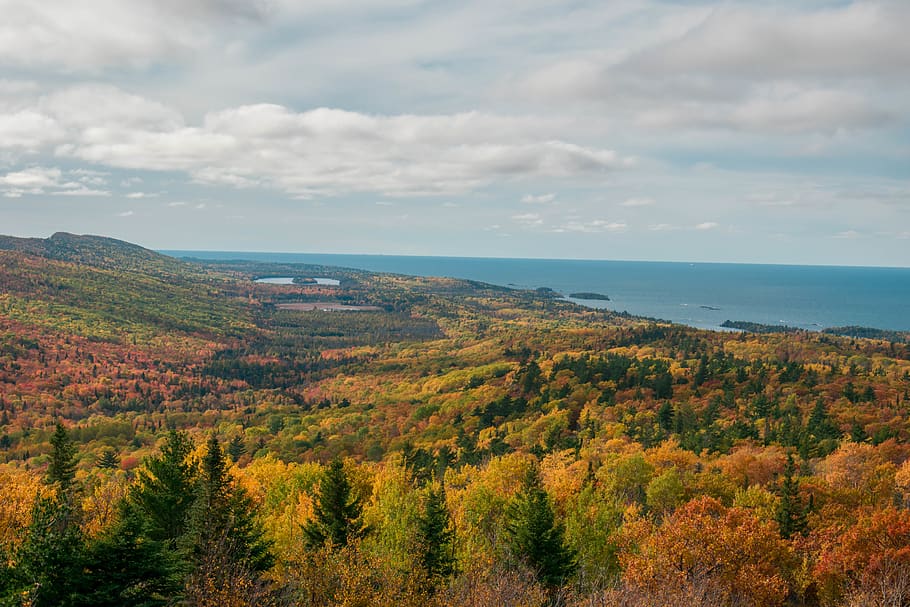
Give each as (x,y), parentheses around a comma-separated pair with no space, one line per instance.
(810,297)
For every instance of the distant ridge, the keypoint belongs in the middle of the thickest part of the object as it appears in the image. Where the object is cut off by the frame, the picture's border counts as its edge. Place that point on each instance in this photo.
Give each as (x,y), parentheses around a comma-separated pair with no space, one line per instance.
(99,252)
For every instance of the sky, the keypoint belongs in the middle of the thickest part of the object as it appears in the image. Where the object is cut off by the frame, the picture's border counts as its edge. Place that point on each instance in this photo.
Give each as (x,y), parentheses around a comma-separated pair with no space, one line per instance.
(767,132)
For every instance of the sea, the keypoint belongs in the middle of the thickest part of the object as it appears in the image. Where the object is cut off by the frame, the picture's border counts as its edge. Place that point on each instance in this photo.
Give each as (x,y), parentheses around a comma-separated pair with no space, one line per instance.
(701,295)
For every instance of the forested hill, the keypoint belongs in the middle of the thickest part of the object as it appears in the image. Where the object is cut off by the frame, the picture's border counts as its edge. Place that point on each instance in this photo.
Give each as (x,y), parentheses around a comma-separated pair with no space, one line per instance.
(553,454)
(100,252)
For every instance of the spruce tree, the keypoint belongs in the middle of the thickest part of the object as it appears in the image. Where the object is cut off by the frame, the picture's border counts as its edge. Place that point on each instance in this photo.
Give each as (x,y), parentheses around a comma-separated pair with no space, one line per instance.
(534,536)
(337,511)
(236,448)
(165,490)
(791,515)
(62,468)
(820,424)
(126,568)
(222,521)
(108,460)
(435,536)
(50,562)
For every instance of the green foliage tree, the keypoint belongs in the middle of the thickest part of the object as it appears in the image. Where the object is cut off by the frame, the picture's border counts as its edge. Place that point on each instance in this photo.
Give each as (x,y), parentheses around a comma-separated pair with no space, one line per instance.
(337,510)
(534,535)
(108,460)
(165,490)
(50,563)
(223,518)
(435,536)
(62,468)
(791,515)
(126,568)
(236,448)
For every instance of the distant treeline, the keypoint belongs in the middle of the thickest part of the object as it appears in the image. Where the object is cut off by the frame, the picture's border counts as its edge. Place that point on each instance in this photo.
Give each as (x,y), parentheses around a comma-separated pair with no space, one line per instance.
(870,333)
(851,331)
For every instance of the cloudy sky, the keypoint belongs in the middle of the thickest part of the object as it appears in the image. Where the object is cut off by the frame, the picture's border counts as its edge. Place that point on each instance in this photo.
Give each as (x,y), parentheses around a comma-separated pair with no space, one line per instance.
(623,129)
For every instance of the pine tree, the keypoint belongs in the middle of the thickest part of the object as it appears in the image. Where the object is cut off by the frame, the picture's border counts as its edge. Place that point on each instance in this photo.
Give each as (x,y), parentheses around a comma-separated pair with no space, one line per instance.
(535,537)
(435,536)
(165,490)
(791,515)
(337,511)
(62,469)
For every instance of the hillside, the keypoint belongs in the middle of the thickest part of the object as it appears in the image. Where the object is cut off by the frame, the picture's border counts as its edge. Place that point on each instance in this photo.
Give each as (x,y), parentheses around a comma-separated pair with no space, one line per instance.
(99,252)
(639,432)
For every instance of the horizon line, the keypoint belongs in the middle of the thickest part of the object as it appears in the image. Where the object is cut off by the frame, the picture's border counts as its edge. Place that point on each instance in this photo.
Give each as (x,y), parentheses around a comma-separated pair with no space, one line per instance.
(583,259)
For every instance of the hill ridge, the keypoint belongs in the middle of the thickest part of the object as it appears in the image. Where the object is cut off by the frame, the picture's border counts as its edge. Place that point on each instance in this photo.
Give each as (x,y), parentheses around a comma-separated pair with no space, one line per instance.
(100,252)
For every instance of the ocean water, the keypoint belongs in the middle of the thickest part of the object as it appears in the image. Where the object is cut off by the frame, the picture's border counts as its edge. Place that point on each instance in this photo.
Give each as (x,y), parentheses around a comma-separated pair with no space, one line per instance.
(697,294)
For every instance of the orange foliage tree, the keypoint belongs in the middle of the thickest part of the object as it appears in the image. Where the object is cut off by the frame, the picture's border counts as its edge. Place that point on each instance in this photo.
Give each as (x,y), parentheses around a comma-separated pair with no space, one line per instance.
(705,549)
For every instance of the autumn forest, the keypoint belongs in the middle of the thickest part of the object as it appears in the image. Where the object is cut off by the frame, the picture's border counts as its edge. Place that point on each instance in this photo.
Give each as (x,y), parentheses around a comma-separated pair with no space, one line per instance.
(174,433)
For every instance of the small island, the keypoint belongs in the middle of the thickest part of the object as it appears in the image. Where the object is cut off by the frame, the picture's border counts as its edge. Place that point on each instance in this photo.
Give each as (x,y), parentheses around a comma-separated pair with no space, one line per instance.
(587,295)
(755,327)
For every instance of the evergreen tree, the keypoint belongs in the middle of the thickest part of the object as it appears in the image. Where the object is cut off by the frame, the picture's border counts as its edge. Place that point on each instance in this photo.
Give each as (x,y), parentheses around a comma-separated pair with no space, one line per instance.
(820,424)
(665,416)
(125,568)
(222,522)
(435,536)
(791,515)
(62,468)
(337,511)
(236,448)
(12,585)
(701,373)
(108,460)
(534,535)
(50,562)
(858,433)
(165,490)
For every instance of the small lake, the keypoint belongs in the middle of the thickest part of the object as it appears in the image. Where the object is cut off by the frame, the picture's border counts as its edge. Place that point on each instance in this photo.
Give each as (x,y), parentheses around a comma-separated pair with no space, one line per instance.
(289,280)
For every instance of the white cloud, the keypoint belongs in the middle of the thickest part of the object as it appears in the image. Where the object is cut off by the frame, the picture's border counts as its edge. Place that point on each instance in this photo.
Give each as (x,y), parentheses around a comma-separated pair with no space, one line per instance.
(92,35)
(126,214)
(528,219)
(775,109)
(707,225)
(638,202)
(662,227)
(51,180)
(592,227)
(538,199)
(755,67)
(35,178)
(81,190)
(321,152)
(848,235)
(861,38)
